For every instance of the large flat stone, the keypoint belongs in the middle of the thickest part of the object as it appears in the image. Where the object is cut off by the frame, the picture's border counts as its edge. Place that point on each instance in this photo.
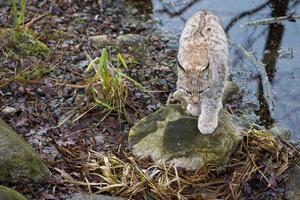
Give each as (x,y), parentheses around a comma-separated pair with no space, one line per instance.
(170,134)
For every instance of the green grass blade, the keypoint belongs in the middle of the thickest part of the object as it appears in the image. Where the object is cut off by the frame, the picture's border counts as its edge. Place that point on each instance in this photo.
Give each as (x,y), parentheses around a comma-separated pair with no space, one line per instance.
(15,13)
(22,13)
(121,60)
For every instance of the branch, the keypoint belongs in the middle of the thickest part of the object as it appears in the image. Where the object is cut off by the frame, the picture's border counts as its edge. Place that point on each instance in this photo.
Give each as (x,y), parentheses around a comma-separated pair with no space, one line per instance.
(267,94)
(244,14)
(292,18)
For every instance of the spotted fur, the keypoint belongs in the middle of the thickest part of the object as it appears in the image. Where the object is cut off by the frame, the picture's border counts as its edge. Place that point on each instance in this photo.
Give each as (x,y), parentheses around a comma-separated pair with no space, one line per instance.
(202,71)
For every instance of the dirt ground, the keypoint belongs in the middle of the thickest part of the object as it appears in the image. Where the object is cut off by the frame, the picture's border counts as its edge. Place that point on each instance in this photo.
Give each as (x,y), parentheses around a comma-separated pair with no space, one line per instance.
(41,102)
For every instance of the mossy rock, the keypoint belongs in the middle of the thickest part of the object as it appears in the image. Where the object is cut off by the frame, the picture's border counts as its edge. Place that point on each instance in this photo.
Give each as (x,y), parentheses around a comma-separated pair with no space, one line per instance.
(10,194)
(18,160)
(170,134)
(23,43)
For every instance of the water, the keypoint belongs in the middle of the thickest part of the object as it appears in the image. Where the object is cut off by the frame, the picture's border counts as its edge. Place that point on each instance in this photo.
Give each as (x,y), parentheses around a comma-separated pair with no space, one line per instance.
(276,45)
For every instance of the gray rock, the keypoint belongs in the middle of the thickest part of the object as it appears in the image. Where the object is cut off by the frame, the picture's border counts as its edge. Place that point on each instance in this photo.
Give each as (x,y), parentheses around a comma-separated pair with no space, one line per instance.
(17,158)
(134,11)
(231,88)
(170,134)
(8,110)
(95,197)
(100,139)
(282,132)
(293,182)
(10,194)
(100,41)
(133,40)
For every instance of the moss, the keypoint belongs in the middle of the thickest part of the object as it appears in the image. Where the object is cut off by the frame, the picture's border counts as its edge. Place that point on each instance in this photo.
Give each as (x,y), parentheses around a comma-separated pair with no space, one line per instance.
(149,124)
(18,160)
(35,73)
(10,194)
(22,43)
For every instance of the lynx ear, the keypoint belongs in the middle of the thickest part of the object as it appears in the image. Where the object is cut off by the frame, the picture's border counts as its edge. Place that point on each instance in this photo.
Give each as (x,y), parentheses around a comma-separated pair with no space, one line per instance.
(180,67)
(206,72)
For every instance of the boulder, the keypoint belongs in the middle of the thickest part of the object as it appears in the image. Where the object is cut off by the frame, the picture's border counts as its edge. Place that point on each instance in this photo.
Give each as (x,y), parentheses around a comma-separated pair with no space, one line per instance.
(18,160)
(280,131)
(10,194)
(170,134)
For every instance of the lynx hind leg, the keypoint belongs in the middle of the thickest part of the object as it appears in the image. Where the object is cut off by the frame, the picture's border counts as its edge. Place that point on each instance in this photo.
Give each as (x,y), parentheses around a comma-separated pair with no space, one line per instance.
(208,120)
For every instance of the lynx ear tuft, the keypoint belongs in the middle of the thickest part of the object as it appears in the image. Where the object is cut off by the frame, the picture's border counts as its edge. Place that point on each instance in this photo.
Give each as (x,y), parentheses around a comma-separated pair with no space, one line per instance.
(180,67)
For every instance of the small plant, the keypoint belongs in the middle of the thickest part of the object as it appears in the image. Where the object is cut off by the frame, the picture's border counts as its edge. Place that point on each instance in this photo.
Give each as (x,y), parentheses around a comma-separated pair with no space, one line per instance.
(109,85)
(18,15)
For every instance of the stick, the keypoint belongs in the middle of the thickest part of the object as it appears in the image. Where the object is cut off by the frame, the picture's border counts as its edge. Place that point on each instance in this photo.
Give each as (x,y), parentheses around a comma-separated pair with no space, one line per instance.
(244,14)
(263,76)
(292,18)
(33,20)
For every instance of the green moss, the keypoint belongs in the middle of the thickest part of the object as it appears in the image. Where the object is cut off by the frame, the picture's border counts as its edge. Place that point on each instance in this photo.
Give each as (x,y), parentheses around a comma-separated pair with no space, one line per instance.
(18,160)
(149,123)
(10,194)
(22,43)
(33,73)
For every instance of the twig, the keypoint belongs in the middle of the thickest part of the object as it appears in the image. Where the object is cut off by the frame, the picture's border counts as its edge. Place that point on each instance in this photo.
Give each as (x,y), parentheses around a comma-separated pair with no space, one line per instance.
(33,20)
(292,18)
(244,14)
(267,94)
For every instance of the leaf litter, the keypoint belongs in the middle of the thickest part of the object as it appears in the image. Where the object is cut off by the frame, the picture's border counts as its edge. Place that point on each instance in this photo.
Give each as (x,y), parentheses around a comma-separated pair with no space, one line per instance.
(256,170)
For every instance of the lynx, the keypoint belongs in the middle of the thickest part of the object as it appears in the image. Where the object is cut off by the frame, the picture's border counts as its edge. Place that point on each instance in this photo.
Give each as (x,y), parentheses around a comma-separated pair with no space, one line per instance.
(202,61)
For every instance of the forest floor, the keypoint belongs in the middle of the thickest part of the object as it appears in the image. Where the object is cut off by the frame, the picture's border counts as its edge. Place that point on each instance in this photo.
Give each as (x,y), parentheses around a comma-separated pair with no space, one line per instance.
(45,97)
(40,91)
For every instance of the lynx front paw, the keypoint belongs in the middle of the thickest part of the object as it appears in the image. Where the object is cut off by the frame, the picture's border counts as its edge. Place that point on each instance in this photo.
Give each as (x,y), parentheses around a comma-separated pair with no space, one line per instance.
(207,126)
(193,110)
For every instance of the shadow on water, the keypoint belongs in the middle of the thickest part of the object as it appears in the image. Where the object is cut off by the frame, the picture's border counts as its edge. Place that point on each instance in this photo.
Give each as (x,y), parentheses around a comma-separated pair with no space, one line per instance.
(273,44)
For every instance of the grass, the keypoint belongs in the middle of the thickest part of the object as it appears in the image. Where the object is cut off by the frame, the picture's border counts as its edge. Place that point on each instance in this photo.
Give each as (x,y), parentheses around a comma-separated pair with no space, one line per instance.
(30,74)
(255,171)
(109,86)
(18,15)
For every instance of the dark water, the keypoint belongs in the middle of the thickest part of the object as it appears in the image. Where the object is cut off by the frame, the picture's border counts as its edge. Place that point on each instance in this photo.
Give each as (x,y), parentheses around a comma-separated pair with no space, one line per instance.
(278,46)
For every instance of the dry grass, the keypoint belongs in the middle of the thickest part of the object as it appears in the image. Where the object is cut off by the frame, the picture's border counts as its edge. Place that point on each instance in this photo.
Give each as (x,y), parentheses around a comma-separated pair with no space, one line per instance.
(255,170)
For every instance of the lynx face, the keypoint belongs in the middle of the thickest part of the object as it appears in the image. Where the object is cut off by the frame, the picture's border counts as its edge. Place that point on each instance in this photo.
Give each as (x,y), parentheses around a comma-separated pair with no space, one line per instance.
(192,84)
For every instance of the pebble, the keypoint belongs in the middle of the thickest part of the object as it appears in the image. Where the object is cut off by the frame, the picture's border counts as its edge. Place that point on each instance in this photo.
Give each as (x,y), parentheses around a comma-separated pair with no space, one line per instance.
(99,41)
(134,11)
(9,110)
(99,139)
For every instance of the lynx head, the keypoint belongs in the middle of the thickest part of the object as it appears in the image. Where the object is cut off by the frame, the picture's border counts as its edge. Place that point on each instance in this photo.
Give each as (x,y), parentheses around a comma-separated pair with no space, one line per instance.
(194,82)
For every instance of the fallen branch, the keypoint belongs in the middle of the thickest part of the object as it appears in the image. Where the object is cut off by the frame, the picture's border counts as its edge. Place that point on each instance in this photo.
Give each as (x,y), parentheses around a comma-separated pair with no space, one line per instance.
(292,18)
(267,94)
(244,14)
